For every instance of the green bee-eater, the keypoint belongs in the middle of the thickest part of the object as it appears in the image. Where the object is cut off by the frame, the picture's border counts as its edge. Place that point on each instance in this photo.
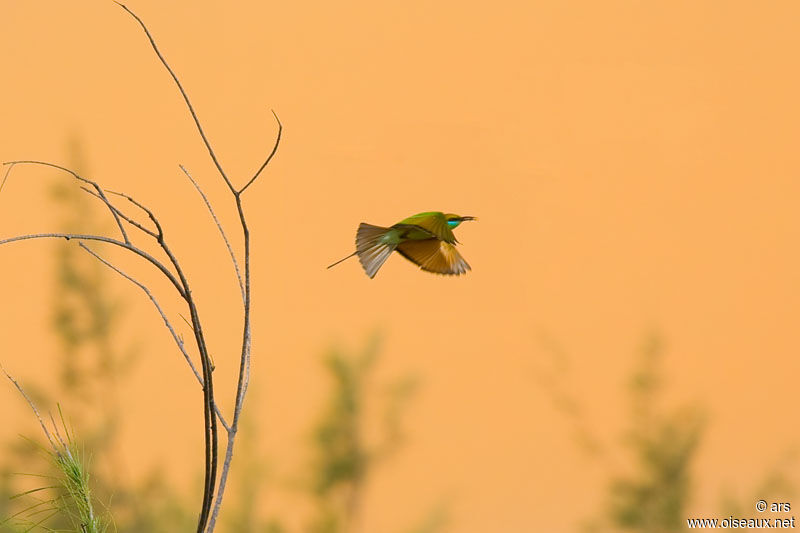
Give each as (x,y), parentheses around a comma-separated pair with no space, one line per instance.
(425,239)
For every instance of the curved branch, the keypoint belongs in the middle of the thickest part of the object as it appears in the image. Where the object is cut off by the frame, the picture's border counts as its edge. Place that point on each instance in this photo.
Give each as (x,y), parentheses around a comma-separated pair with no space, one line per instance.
(269,157)
(74,174)
(210,421)
(100,238)
(167,323)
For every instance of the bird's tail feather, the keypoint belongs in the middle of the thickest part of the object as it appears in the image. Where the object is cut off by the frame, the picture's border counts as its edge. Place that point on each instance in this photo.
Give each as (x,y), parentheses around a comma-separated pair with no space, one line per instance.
(371,247)
(342,259)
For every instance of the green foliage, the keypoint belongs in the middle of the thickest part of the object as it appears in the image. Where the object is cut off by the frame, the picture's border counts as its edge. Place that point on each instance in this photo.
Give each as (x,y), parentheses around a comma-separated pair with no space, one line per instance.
(774,486)
(68,501)
(343,458)
(436,520)
(655,496)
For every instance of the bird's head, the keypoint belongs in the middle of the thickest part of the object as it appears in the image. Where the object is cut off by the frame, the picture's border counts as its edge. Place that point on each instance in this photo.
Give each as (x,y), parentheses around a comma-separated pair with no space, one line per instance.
(454,220)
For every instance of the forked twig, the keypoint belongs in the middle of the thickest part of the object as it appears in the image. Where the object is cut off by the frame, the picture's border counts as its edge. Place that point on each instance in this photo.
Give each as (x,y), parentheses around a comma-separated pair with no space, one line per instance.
(212,493)
(209,419)
(244,361)
(269,157)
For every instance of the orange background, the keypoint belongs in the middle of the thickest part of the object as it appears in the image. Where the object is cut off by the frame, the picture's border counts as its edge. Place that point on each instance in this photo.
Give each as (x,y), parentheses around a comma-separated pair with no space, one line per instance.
(634,166)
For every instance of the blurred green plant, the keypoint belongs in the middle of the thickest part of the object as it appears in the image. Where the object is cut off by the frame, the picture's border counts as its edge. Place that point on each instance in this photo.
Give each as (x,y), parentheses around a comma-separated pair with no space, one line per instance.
(343,458)
(85,313)
(775,486)
(654,497)
(70,497)
(651,495)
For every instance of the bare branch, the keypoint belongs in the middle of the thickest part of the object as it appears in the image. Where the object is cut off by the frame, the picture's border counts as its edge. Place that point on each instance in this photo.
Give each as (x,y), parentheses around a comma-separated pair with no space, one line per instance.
(219,227)
(100,238)
(269,157)
(244,367)
(244,361)
(167,323)
(97,188)
(5,176)
(210,420)
(150,214)
(244,381)
(125,217)
(185,97)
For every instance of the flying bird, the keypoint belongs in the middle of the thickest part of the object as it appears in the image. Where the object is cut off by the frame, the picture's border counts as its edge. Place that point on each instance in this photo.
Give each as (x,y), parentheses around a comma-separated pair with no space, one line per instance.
(425,239)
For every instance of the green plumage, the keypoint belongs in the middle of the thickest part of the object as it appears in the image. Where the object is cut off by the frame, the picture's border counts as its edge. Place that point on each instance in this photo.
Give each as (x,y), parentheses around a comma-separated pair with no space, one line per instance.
(425,239)
(434,223)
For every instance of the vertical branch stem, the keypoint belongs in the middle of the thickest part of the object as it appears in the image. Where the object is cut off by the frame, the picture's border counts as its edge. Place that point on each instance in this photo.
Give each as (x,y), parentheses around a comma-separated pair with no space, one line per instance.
(210,421)
(244,361)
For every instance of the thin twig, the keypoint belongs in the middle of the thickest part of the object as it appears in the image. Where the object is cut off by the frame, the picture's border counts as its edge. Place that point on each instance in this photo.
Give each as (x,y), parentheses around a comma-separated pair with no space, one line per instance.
(97,187)
(125,217)
(160,234)
(209,419)
(270,156)
(167,323)
(33,406)
(5,177)
(244,369)
(219,227)
(244,360)
(100,238)
(183,93)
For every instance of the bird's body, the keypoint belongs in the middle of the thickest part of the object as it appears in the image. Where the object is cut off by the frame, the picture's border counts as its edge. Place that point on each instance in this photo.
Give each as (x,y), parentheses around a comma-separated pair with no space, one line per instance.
(425,239)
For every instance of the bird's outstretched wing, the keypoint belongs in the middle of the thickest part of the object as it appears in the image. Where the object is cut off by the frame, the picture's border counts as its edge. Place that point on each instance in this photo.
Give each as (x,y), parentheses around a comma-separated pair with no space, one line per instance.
(435,256)
(371,249)
(434,223)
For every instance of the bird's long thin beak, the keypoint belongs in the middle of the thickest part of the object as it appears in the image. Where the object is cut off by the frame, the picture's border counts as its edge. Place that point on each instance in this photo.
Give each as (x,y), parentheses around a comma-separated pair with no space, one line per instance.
(468,218)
